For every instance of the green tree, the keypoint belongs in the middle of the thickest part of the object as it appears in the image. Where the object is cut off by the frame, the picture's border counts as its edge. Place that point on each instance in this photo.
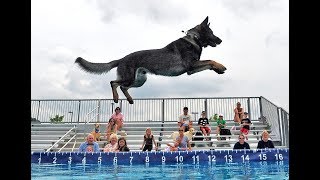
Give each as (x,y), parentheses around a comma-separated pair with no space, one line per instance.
(57,119)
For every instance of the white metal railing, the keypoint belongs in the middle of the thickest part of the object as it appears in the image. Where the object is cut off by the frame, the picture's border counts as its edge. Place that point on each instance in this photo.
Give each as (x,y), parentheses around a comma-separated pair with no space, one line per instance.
(74,144)
(89,120)
(48,150)
(67,142)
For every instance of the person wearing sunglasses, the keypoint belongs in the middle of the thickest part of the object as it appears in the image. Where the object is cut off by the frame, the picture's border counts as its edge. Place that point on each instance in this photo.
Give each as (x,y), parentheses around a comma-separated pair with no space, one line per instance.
(182,143)
(241,144)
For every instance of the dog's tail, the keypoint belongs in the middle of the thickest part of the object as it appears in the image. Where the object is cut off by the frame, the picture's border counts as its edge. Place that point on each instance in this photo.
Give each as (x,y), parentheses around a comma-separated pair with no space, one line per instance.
(96,68)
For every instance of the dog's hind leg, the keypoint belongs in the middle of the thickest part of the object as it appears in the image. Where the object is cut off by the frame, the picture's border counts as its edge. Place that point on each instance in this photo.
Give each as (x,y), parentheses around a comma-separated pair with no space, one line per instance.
(124,86)
(136,79)
(206,64)
(114,85)
(125,92)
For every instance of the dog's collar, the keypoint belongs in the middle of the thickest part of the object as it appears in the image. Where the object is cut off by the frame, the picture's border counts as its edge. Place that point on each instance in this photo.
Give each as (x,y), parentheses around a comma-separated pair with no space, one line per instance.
(193,38)
(196,37)
(193,34)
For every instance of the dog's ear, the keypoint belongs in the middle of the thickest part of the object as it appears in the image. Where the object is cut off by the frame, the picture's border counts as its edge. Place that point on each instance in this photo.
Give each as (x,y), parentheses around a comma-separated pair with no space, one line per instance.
(205,22)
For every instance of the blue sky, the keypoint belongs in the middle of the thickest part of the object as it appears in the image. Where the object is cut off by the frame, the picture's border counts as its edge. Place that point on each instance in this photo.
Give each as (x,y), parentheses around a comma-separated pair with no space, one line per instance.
(254,48)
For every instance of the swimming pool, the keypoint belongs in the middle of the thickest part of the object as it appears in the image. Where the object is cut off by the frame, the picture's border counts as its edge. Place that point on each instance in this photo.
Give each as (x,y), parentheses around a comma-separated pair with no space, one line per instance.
(214,164)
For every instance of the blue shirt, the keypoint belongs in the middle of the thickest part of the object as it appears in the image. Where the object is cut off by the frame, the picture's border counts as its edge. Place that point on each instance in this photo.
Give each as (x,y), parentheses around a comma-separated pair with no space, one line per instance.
(183,142)
(84,145)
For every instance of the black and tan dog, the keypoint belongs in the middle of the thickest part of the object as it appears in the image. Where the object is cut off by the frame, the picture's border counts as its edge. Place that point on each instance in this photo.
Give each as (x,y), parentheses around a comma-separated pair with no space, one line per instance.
(96,132)
(179,57)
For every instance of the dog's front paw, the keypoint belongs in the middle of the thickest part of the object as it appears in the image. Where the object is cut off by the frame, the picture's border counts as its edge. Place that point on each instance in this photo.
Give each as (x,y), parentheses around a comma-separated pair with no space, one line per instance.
(218,68)
(219,71)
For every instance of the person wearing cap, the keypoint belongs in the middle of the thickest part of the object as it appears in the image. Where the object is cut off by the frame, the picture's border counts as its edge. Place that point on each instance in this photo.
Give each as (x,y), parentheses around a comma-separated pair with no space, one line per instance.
(185,120)
(238,113)
(203,122)
(220,124)
(117,116)
(245,125)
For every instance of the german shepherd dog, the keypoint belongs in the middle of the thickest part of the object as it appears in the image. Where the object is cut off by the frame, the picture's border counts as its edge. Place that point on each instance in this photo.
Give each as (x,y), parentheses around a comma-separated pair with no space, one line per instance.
(178,57)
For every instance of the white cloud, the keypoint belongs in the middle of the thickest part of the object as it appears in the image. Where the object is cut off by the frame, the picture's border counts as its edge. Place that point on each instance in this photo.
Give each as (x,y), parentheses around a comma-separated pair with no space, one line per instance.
(254,48)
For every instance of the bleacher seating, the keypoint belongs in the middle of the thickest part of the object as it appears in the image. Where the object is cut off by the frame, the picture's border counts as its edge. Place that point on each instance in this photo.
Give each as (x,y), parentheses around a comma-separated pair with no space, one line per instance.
(45,135)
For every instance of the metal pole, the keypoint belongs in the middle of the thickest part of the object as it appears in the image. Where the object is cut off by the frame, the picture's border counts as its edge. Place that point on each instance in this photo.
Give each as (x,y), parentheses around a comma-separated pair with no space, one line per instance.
(249,110)
(206,107)
(71,112)
(195,118)
(79,111)
(112,104)
(162,112)
(260,104)
(38,112)
(99,110)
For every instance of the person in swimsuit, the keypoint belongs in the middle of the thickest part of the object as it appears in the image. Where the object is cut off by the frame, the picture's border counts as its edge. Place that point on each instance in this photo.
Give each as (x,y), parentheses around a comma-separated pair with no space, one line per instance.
(238,113)
(148,139)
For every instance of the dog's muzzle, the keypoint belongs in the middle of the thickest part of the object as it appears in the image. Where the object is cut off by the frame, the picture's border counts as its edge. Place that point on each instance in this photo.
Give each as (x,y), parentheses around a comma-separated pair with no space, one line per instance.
(214,41)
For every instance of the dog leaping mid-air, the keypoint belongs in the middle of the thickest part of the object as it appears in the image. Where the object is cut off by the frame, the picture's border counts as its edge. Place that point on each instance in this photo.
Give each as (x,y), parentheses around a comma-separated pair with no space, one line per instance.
(178,57)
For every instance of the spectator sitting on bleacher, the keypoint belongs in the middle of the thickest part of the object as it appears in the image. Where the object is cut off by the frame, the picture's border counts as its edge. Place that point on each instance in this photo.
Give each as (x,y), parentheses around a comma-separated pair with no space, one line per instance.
(118,118)
(265,142)
(245,125)
(241,144)
(113,145)
(122,145)
(89,148)
(238,113)
(182,142)
(148,139)
(185,120)
(89,142)
(220,124)
(111,129)
(203,121)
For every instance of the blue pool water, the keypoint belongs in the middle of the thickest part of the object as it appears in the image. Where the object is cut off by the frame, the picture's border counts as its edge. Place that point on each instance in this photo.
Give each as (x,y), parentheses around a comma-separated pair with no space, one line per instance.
(246,170)
(203,164)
